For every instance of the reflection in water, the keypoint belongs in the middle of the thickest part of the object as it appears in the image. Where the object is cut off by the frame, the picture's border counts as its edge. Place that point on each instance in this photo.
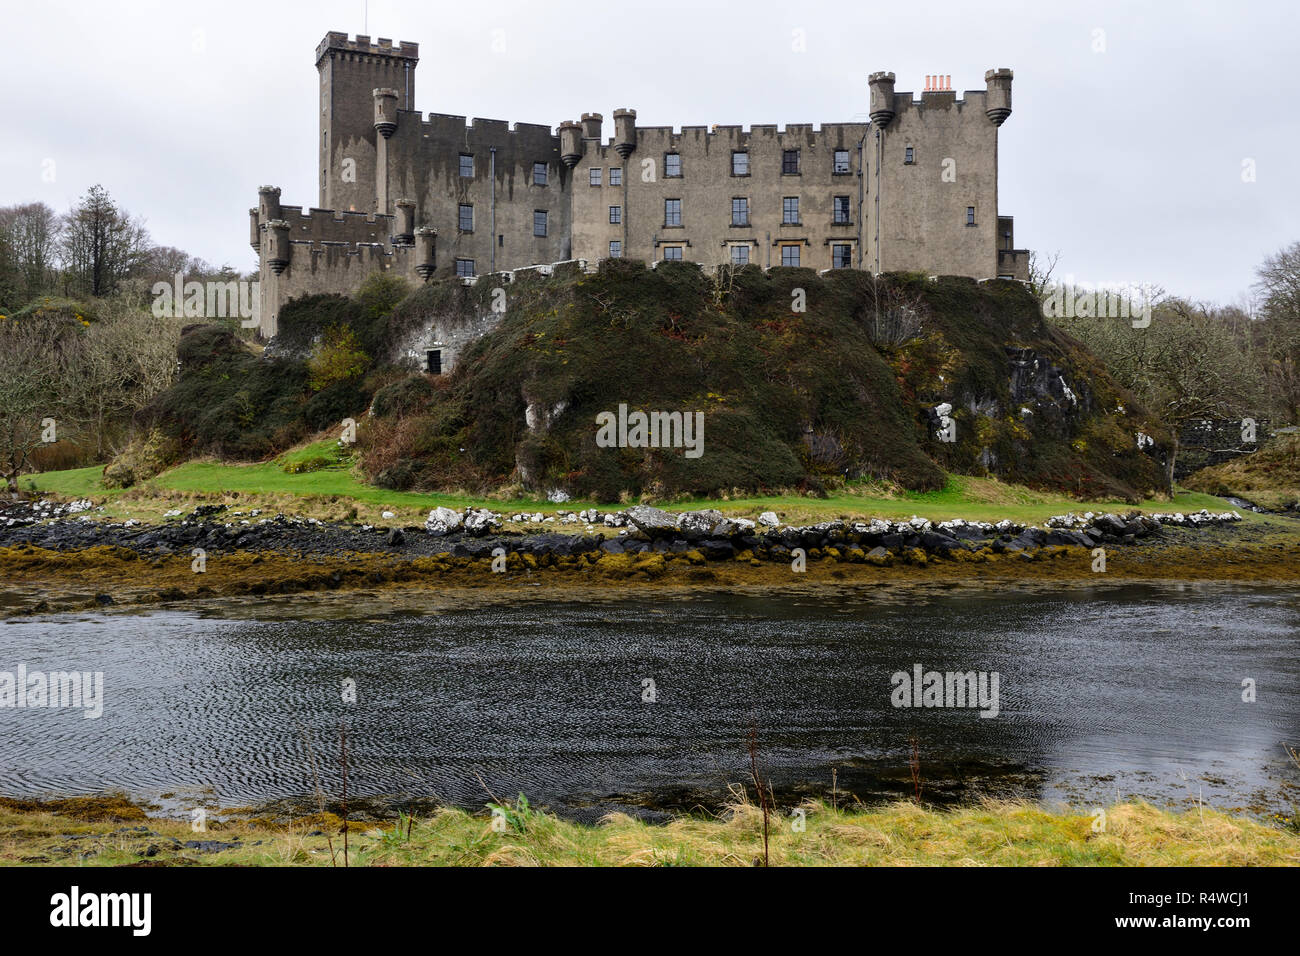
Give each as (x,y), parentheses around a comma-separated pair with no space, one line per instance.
(1103,693)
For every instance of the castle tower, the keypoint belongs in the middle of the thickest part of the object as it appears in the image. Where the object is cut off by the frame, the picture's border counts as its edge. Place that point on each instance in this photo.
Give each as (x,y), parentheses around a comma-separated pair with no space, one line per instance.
(404,227)
(591,124)
(882,98)
(997,98)
(624,132)
(385,111)
(350,71)
(570,143)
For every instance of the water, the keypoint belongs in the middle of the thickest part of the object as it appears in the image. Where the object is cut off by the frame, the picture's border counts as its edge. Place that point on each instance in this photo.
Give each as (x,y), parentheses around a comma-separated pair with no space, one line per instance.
(1105,694)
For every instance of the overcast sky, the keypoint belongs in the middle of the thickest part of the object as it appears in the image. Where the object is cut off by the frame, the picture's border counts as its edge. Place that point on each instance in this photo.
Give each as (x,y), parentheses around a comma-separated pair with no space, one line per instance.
(1125,151)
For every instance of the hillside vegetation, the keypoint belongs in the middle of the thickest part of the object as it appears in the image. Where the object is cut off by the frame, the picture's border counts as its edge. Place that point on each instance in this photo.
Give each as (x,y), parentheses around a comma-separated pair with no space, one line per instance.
(852,386)
(1269,477)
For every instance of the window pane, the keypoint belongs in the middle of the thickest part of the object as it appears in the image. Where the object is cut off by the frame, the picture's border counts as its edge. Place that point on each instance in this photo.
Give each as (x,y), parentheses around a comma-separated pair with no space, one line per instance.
(466,165)
(672,212)
(464,267)
(789,255)
(616,176)
(841,256)
(593,176)
(615,249)
(672,252)
(615,214)
(740,164)
(672,164)
(740,212)
(841,209)
(539,222)
(466,218)
(740,255)
(539,174)
(790,161)
(841,161)
(790,210)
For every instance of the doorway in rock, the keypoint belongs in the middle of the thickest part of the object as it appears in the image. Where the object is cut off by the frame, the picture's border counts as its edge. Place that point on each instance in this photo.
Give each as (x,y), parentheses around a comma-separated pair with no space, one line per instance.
(433,361)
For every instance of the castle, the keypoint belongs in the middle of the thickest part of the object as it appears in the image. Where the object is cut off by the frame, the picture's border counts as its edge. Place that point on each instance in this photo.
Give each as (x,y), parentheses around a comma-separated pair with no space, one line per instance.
(914,189)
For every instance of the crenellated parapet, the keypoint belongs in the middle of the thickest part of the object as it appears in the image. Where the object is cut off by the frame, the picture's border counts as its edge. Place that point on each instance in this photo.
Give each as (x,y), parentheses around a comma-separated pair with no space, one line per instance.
(338,44)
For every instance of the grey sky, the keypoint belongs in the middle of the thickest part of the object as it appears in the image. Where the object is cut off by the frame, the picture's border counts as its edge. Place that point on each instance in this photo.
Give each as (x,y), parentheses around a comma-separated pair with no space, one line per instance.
(1128,161)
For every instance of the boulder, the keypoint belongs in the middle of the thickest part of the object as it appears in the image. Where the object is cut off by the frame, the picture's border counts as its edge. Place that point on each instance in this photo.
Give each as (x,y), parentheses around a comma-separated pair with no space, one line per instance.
(442,521)
(481,521)
(695,524)
(768,519)
(652,521)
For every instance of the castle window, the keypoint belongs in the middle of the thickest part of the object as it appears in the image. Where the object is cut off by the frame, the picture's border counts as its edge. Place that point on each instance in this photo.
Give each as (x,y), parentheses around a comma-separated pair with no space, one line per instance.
(841,210)
(909,156)
(740,211)
(740,255)
(841,164)
(790,162)
(464,267)
(615,249)
(970,215)
(790,256)
(672,253)
(672,164)
(616,176)
(539,174)
(466,222)
(672,212)
(467,165)
(433,361)
(539,222)
(593,176)
(740,163)
(615,214)
(841,256)
(790,211)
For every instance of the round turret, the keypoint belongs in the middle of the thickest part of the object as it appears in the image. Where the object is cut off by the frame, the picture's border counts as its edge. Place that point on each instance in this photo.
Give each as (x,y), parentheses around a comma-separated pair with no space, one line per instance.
(591,126)
(624,132)
(268,202)
(404,227)
(254,234)
(997,96)
(385,112)
(425,251)
(882,98)
(570,143)
(277,250)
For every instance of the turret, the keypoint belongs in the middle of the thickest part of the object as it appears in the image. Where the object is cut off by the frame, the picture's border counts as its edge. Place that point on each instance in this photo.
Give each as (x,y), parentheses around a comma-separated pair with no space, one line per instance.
(570,143)
(624,132)
(997,98)
(385,111)
(404,227)
(591,123)
(255,233)
(277,250)
(425,250)
(882,98)
(268,203)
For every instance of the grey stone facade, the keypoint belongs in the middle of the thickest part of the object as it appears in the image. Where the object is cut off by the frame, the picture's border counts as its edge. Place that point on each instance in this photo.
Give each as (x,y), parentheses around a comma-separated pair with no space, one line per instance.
(914,189)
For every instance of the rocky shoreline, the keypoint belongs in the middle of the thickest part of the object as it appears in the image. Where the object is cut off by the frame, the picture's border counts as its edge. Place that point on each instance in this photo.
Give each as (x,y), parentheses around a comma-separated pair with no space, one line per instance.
(478,533)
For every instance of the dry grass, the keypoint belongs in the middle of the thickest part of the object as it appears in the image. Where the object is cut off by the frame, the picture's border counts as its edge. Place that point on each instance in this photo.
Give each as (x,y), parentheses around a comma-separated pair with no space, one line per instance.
(902,834)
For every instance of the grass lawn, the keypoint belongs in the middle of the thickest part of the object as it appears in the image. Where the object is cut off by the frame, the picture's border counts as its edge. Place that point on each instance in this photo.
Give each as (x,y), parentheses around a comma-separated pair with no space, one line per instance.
(333,490)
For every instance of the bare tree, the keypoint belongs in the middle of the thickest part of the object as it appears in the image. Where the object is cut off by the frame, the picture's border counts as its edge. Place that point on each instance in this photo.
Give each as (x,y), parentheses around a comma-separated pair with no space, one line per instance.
(35,358)
(29,238)
(102,244)
(1278,286)
(1186,365)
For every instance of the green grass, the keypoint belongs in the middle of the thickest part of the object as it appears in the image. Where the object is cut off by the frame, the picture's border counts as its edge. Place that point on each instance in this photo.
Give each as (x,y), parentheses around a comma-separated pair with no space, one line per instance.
(966,497)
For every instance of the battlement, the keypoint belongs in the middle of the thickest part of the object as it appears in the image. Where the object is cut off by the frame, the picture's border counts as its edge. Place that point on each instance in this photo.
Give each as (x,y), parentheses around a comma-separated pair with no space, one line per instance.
(336,41)
(318,227)
(448,123)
